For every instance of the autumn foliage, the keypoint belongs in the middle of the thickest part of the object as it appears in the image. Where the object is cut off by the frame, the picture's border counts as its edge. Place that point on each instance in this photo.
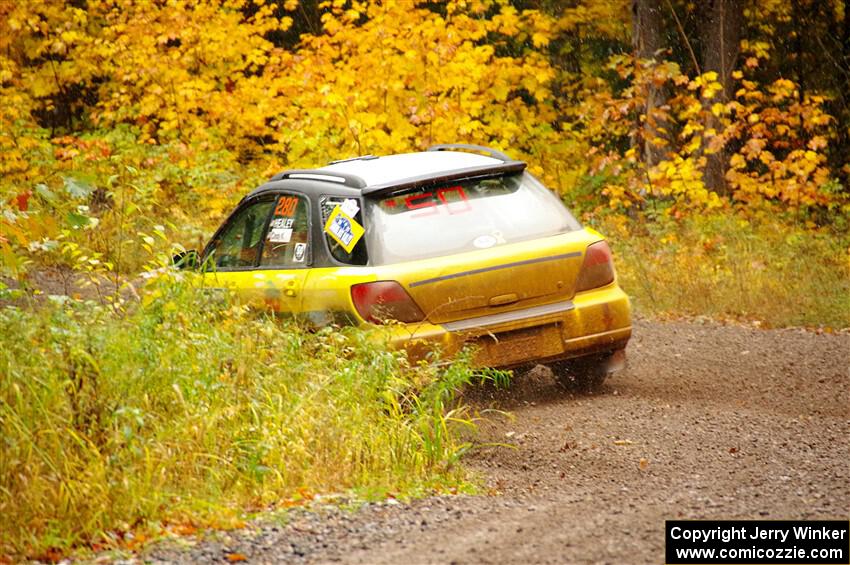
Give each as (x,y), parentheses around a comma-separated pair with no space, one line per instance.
(131,114)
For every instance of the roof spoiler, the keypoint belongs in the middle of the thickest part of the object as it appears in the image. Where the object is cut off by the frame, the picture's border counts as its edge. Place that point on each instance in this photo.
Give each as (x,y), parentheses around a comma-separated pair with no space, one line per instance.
(468,173)
(467,147)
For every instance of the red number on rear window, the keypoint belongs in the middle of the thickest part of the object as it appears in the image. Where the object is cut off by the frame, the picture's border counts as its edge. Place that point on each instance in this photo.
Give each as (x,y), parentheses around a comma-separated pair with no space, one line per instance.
(426,201)
(453,198)
(463,204)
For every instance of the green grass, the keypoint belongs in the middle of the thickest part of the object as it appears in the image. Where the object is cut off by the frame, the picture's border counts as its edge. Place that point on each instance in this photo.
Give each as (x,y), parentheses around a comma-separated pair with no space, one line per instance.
(725,267)
(191,409)
(187,408)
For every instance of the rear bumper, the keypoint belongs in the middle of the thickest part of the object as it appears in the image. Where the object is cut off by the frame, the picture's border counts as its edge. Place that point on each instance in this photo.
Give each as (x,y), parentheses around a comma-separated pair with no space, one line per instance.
(593,321)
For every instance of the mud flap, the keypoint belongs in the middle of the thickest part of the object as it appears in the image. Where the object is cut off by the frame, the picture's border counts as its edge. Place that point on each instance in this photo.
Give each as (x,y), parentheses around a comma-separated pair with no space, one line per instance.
(616,362)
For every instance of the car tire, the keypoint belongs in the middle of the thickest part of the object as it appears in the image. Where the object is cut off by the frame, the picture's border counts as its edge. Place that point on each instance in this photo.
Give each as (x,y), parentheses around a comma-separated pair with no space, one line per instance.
(586,374)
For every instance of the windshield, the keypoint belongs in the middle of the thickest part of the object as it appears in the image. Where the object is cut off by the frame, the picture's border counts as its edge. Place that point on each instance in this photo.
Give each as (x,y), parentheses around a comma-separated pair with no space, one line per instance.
(463,216)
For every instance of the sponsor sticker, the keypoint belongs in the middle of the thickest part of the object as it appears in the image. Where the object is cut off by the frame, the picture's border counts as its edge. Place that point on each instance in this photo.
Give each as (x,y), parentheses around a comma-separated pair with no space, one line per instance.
(484,241)
(300,252)
(350,207)
(282,223)
(280,235)
(343,229)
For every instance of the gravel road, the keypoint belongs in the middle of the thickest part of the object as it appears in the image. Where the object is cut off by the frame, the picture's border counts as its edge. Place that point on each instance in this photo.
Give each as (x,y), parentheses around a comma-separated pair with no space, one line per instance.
(707,422)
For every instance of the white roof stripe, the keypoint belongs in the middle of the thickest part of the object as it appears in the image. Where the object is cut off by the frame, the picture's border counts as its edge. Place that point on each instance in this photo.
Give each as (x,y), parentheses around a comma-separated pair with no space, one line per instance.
(395,168)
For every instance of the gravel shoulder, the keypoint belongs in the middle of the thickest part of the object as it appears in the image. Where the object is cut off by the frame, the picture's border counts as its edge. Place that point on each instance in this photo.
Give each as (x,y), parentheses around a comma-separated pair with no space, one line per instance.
(707,422)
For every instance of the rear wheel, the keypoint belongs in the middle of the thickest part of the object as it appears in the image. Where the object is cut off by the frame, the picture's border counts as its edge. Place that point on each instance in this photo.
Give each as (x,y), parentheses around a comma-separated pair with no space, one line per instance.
(586,374)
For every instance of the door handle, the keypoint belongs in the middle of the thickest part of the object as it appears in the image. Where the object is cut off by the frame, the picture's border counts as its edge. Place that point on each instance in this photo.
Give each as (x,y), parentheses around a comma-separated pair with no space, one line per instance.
(289,288)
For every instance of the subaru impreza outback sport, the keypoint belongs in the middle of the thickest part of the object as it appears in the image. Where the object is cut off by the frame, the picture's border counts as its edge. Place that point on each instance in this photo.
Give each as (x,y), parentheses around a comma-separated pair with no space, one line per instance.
(457,245)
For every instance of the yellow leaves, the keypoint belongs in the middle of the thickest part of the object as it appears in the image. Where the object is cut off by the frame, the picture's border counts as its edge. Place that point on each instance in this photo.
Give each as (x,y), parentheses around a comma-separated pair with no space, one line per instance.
(539,39)
(394,76)
(812,157)
(692,146)
(758,49)
(782,89)
(711,89)
(367,119)
(737,161)
(380,89)
(707,82)
(766,157)
(682,178)
(352,15)
(540,26)
(507,22)
(619,196)
(691,110)
(820,119)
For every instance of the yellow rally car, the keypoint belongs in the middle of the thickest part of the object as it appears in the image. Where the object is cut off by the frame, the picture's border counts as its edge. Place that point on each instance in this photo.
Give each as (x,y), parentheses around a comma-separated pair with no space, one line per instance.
(457,245)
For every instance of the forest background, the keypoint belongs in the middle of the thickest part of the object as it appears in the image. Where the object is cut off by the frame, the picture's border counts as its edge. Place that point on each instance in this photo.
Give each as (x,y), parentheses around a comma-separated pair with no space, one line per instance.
(709,140)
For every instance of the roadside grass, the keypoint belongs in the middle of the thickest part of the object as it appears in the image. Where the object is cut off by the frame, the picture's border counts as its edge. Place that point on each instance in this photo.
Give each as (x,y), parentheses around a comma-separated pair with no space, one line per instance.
(727,267)
(189,409)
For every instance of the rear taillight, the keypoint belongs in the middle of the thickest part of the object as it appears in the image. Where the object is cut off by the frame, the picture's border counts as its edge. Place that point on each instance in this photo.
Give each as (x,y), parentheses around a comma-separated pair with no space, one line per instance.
(382,301)
(597,269)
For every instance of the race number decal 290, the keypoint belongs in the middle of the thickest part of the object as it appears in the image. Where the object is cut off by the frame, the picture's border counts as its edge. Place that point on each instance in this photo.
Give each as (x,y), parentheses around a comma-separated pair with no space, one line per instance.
(452,199)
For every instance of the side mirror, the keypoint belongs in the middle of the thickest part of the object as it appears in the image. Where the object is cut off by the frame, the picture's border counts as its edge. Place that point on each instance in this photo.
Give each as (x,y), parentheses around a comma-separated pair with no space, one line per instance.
(187,260)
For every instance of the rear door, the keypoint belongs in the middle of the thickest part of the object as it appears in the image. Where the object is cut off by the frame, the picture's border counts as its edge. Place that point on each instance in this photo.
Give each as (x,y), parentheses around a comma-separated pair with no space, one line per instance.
(263,252)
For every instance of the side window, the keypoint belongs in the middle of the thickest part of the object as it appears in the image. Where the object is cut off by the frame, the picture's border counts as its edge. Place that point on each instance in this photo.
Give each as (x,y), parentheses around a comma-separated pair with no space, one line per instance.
(238,243)
(358,255)
(288,237)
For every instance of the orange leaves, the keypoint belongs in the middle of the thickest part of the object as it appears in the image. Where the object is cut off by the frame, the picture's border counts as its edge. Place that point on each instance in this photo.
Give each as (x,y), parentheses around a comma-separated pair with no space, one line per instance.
(21,200)
(396,75)
(782,142)
(776,143)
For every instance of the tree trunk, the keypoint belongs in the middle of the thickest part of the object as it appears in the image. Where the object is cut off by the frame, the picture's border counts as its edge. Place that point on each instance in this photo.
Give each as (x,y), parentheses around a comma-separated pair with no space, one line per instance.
(649,41)
(845,36)
(721,38)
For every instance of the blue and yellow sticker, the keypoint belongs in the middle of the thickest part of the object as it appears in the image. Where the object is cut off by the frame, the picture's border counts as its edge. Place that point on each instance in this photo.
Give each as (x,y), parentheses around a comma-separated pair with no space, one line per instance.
(343,229)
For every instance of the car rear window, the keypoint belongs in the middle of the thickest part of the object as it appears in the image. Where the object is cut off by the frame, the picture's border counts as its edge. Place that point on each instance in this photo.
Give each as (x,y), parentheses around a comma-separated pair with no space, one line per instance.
(463,216)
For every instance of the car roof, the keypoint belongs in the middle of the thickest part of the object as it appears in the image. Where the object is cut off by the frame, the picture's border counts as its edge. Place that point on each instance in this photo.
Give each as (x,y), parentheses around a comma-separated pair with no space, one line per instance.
(371,175)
